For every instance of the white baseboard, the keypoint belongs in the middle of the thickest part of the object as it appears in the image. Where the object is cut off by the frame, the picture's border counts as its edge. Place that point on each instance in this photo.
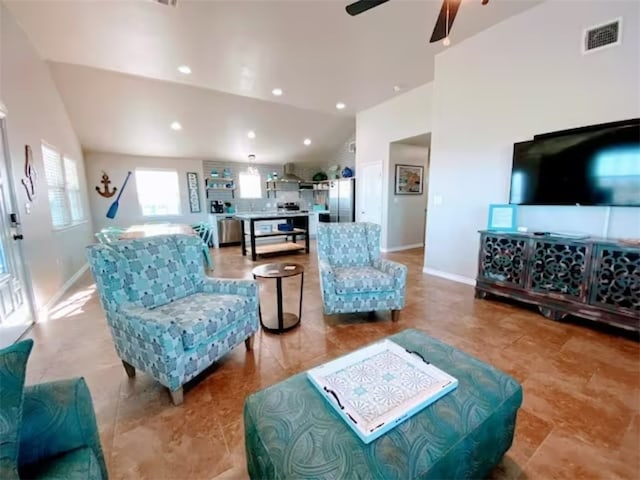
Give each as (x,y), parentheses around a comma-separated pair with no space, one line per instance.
(449,276)
(403,247)
(43,313)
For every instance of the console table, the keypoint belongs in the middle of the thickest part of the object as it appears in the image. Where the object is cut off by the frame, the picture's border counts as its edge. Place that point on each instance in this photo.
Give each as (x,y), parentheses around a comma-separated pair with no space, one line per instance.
(597,279)
(284,247)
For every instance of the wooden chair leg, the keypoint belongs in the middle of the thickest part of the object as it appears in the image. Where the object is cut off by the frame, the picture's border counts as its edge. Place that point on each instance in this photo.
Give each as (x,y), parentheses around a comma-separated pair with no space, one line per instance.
(395,315)
(177,396)
(130,369)
(249,343)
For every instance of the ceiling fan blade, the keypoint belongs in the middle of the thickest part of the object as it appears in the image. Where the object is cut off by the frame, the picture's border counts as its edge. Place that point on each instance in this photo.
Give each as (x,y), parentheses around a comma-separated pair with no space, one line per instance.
(361,6)
(441,28)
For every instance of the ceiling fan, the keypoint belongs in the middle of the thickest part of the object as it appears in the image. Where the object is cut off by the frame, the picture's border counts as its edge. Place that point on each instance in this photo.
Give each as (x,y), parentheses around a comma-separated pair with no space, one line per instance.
(444,22)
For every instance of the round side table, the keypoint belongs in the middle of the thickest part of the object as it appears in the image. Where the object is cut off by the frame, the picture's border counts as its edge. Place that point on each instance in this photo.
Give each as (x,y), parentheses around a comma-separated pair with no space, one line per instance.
(285,320)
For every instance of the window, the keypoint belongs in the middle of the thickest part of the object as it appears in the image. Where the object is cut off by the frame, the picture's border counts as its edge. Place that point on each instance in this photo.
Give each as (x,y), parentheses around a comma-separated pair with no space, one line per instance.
(72,183)
(158,192)
(63,188)
(250,186)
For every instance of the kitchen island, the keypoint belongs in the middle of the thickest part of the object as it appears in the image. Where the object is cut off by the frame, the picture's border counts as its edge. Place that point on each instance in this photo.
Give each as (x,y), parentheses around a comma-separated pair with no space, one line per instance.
(284,247)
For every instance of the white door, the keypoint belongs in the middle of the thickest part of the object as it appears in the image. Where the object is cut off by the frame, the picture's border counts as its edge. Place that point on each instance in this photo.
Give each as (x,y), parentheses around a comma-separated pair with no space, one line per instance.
(369,207)
(16,313)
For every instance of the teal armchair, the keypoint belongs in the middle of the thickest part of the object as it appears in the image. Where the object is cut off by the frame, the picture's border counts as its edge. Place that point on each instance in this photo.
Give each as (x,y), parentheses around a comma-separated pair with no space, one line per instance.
(353,276)
(47,431)
(167,318)
(59,437)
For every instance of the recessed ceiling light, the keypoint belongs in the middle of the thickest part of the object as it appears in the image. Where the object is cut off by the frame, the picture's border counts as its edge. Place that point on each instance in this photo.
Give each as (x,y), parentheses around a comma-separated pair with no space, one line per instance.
(340,106)
(251,134)
(184,69)
(277,92)
(176,126)
(397,88)
(307,141)
(446,42)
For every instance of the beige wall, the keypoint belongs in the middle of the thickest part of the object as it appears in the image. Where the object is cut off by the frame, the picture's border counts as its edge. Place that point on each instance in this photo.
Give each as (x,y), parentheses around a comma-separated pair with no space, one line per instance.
(503,86)
(404,116)
(129,213)
(406,221)
(36,113)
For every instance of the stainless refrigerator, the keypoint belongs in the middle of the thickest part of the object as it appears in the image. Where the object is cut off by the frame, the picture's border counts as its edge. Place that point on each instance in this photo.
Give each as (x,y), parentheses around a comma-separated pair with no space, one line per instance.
(342,199)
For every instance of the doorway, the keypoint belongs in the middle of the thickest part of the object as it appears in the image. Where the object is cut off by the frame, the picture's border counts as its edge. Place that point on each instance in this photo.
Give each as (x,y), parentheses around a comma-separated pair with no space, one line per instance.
(407,209)
(16,307)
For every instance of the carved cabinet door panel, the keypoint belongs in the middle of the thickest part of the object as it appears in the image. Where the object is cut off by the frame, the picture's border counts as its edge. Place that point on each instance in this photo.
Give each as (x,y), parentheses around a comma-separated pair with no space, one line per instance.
(558,267)
(616,283)
(503,259)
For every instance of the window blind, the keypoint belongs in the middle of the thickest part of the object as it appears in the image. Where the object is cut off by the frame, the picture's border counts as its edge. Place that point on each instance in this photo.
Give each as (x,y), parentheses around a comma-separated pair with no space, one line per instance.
(73,190)
(54,174)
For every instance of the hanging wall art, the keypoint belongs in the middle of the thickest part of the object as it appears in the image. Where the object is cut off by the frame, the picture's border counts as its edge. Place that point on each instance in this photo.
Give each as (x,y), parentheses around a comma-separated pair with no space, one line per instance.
(29,183)
(193,190)
(105,192)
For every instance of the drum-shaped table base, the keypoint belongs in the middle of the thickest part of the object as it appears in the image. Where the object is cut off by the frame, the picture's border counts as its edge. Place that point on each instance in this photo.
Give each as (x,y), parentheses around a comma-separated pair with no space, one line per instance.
(283,321)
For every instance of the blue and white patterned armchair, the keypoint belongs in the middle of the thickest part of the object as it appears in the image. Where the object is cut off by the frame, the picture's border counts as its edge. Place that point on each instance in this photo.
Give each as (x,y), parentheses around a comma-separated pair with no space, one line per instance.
(353,276)
(166,317)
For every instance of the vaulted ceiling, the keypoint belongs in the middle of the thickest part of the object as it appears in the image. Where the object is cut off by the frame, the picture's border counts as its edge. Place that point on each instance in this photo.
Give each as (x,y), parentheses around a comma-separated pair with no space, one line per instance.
(115,63)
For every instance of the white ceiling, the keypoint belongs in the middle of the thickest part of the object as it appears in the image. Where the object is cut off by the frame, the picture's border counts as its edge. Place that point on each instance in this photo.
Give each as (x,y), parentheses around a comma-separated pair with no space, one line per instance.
(115,112)
(313,50)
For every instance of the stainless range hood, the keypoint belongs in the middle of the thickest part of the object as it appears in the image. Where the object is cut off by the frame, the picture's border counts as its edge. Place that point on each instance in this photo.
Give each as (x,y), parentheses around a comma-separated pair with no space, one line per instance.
(289,176)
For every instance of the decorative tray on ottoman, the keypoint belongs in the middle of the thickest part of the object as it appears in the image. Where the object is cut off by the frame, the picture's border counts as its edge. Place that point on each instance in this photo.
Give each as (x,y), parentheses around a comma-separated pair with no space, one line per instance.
(377,387)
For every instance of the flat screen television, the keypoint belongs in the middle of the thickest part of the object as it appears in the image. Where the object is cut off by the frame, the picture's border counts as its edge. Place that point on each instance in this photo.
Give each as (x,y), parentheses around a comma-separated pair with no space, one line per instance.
(597,165)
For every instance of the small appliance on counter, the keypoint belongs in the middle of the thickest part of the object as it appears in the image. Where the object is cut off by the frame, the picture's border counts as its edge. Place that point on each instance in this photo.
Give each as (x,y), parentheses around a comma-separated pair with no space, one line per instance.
(217,206)
(289,206)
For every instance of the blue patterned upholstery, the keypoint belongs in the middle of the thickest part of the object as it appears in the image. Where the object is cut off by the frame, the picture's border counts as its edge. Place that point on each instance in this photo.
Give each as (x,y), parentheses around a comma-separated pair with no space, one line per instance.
(47,431)
(353,276)
(166,317)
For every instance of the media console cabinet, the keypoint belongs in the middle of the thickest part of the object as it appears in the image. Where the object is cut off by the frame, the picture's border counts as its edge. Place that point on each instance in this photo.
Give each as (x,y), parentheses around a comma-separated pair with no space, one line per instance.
(597,279)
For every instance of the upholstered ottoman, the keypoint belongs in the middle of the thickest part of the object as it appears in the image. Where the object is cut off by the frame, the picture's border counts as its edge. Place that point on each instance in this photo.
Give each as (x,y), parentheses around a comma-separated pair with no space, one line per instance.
(291,432)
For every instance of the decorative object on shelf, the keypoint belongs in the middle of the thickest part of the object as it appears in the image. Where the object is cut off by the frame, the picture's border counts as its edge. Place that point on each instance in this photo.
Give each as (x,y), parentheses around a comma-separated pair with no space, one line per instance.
(226,173)
(320,177)
(409,179)
(30,172)
(214,173)
(502,217)
(334,172)
(229,208)
(193,190)
(113,209)
(347,172)
(105,192)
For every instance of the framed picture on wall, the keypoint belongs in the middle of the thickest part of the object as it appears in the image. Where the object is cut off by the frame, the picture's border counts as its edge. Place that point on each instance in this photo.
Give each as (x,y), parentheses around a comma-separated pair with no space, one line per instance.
(503,217)
(409,179)
(193,190)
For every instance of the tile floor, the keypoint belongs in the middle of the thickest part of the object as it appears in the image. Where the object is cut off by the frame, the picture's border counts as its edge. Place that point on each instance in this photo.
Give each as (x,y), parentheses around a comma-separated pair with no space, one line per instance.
(580,417)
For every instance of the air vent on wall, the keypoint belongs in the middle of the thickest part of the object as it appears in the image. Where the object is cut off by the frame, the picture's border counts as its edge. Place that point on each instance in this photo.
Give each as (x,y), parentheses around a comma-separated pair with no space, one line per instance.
(168,3)
(352,147)
(602,36)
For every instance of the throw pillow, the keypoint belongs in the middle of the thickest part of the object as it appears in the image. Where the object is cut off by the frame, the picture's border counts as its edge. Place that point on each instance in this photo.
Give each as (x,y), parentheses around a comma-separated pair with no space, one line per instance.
(13,366)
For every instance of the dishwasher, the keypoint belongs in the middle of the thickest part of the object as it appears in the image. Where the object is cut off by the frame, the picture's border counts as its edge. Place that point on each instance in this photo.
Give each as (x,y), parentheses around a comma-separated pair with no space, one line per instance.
(229,232)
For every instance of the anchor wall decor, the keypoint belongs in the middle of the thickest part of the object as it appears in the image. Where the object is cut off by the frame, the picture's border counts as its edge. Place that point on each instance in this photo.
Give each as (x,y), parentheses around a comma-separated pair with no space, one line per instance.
(29,183)
(105,192)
